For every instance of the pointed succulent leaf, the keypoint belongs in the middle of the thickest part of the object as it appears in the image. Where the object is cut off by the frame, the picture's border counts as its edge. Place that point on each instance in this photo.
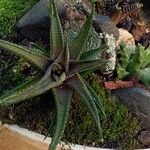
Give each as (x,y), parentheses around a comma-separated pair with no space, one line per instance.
(144,75)
(121,72)
(94,53)
(91,54)
(34,57)
(77,47)
(78,84)
(96,98)
(56,32)
(139,60)
(83,65)
(26,92)
(4,99)
(63,96)
(63,59)
(125,55)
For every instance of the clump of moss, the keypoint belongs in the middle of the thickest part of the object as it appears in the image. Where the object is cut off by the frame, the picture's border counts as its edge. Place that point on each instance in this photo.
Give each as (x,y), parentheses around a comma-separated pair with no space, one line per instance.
(10,12)
(119,129)
(12,73)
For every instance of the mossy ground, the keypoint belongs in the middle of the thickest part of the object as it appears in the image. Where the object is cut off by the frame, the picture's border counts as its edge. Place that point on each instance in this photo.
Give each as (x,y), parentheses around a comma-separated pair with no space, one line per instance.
(10,68)
(119,129)
(10,12)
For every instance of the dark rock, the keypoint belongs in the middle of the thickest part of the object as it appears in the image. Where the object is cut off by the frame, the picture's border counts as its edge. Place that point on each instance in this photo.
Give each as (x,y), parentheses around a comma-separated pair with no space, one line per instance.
(35,23)
(146,3)
(102,24)
(138,101)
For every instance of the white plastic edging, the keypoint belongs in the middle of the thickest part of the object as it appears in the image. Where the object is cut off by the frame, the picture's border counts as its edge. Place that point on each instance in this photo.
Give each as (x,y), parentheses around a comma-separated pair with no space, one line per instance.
(40,138)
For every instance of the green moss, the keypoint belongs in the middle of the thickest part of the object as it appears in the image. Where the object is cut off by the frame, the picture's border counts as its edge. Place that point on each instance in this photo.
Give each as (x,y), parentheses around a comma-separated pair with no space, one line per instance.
(11,73)
(10,12)
(119,129)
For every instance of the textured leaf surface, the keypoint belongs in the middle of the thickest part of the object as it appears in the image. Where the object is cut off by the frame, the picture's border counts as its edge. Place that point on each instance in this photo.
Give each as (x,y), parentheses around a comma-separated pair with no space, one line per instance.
(34,57)
(130,62)
(77,47)
(91,54)
(125,56)
(56,32)
(145,76)
(31,90)
(96,98)
(139,60)
(83,65)
(63,59)
(121,72)
(78,84)
(63,96)
(124,60)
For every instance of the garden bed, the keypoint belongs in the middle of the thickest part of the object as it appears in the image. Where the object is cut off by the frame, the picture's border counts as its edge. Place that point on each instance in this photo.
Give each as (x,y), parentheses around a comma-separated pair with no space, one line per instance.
(120,129)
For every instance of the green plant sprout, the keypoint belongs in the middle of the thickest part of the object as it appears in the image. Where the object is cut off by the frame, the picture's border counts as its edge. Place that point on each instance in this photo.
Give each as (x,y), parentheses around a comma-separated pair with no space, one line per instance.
(60,74)
(134,63)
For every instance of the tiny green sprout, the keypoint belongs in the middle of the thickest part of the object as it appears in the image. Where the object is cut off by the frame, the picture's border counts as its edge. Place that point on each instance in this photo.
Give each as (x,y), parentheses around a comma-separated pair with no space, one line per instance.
(60,74)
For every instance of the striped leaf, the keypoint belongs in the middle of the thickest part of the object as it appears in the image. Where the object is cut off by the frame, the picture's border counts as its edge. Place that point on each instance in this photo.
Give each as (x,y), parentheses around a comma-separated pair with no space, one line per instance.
(91,54)
(56,32)
(63,96)
(83,65)
(96,98)
(78,84)
(77,47)
(63,59)
(34,57)
(95,53)
(31,90)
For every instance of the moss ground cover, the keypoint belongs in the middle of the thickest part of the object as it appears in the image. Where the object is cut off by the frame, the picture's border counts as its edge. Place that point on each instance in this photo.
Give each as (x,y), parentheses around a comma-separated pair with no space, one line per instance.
(119,129)
(10,12)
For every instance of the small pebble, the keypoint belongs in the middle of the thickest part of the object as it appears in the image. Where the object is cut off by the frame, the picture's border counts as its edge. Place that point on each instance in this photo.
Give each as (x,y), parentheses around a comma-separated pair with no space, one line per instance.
(144,137)
(125,37)
(11,116)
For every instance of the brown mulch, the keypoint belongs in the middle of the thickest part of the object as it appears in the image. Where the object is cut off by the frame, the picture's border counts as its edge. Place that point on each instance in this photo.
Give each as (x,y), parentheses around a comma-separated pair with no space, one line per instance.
(113,85)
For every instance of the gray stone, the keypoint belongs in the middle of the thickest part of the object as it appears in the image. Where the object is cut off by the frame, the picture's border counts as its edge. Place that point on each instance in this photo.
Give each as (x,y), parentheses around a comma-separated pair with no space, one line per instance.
(31,25)
(138,101)
(102,24)
(35,23)
(146,3)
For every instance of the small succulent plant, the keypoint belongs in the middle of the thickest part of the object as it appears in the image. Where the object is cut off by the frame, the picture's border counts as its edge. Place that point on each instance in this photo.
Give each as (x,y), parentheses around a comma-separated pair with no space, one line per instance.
(134,63)
(60,74)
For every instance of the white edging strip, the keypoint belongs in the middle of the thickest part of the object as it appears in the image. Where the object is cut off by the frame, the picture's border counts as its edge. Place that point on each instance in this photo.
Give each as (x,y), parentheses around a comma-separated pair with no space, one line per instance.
(40,138)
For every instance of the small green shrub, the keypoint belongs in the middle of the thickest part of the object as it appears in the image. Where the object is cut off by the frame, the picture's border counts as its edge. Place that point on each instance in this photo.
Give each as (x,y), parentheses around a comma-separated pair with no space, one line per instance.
(134,63)
(10,12)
